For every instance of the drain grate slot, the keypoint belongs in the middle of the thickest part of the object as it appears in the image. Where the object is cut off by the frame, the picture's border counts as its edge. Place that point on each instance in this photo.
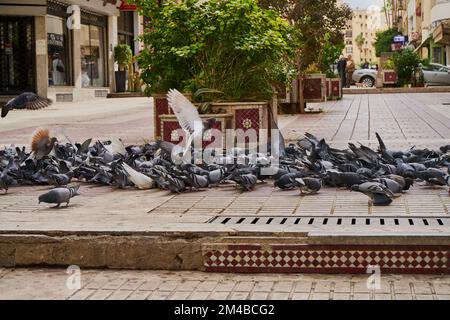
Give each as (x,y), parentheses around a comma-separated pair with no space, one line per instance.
(331,221)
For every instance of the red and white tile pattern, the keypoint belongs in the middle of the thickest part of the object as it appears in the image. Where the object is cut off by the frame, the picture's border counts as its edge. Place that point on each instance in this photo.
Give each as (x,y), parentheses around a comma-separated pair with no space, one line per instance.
(326,258)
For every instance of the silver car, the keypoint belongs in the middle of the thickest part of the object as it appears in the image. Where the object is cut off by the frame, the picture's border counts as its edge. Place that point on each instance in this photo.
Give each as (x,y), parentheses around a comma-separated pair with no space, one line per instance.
(365,76)
(436,75)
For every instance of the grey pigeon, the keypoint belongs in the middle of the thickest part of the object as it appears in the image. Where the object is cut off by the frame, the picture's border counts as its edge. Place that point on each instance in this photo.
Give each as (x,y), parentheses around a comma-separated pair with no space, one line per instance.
(406,183)
(246,181)
(5,180)
(345,179)
(26,100)
(309,185)
(61,179)
(432,176)
(59,195)
(392,185)
(377,192)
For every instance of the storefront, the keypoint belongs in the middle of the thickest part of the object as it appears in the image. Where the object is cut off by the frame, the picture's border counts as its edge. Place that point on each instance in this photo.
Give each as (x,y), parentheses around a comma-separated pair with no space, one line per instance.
(63,49)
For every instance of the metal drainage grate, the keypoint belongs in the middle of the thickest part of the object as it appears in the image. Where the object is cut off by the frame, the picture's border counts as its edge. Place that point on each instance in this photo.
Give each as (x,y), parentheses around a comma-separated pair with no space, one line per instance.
(332,221)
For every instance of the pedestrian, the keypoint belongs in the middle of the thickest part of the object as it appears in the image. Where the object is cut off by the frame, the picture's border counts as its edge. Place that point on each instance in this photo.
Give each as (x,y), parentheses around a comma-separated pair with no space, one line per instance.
(350,69)
(341,68)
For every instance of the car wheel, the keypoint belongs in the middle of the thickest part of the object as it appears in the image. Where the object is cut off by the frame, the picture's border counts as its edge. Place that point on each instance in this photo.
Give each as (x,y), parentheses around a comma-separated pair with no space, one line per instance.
(368,81)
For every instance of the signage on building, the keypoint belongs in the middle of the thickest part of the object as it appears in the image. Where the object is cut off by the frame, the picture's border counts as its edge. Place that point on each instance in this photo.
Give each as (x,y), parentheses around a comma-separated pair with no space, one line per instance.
(125,6)
(54,39)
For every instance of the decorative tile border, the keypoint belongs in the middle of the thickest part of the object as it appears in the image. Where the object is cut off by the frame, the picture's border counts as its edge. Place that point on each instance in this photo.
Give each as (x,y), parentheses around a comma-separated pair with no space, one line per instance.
(306,258)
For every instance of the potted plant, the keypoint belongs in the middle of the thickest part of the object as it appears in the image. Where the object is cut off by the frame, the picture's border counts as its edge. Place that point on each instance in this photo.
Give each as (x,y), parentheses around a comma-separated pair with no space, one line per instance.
(407,63)
(123,56)
(235,47)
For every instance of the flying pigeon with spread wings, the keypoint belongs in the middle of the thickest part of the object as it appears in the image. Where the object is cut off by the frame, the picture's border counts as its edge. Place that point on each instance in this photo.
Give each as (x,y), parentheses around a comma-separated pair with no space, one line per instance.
(26,100)
(187,116)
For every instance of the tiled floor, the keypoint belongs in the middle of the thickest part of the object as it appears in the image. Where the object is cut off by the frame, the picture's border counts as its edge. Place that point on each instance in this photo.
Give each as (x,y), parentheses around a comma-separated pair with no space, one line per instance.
(404,120)
(161,285)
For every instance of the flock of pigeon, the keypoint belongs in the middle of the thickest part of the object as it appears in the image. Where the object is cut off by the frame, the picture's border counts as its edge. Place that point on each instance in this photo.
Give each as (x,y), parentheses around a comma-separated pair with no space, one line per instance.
(306,165)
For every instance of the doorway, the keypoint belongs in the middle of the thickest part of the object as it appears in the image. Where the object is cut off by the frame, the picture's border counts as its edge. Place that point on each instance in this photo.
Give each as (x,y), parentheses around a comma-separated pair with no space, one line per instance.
(17,55)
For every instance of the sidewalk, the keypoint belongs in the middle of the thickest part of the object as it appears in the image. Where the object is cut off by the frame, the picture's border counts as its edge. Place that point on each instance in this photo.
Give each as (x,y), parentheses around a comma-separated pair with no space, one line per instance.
(106,227)
(156,285)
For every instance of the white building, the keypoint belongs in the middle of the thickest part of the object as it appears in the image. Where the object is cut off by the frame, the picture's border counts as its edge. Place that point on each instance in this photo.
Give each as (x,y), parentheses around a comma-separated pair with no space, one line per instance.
(63,49)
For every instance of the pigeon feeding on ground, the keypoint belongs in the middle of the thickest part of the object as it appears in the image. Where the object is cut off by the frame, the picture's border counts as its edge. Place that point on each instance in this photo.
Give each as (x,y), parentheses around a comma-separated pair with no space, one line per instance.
(377,192)
(26,100)
(306,165)
(59,195)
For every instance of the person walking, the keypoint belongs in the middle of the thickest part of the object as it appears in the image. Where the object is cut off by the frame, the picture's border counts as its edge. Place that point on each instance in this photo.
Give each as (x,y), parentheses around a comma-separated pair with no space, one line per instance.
(350,69)
(341,68)
(58,70)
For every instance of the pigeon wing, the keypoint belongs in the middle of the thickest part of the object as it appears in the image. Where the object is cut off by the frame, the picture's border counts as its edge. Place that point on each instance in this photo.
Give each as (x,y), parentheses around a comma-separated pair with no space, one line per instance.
(29,101)
(186,113)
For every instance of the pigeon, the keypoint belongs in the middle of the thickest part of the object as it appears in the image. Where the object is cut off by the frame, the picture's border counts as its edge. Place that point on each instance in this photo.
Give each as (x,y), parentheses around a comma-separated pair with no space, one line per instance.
(309,185)
(392,185)
(288,181)
(345,179)
(406,183)
(5,180)
(42,144)
(377,192)
(246,181)
(432,176)
(26,100)
(61,179)
(59,195)
(141,181)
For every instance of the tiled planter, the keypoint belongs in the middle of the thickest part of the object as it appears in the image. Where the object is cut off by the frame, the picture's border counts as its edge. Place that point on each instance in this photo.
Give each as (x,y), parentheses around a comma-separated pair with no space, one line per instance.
(333,89)
(314,88)
(389,77)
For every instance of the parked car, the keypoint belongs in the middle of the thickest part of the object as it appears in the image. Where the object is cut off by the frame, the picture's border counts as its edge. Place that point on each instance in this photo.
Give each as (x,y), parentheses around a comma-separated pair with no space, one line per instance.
(436,75)
(365,76)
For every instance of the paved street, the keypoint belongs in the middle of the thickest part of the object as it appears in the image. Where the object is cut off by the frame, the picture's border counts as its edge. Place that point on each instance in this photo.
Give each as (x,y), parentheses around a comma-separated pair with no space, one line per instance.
(403,120)
(140,285)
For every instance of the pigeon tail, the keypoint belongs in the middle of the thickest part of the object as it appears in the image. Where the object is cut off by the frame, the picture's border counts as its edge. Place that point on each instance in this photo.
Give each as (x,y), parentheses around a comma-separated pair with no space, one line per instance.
(140,180)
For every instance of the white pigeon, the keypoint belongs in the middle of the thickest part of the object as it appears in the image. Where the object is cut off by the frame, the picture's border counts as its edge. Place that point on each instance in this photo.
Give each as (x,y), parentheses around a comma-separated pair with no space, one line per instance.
(141,181)
(187,116)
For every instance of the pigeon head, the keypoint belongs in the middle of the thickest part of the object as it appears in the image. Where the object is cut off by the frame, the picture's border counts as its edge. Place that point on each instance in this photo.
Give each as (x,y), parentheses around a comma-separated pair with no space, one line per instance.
(355,187)
(75,191)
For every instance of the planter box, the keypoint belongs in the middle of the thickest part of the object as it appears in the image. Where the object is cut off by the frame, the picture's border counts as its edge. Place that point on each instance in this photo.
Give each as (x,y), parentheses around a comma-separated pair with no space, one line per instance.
(314,88)
(170,125)
(161,107)
(333,89)
(389,77)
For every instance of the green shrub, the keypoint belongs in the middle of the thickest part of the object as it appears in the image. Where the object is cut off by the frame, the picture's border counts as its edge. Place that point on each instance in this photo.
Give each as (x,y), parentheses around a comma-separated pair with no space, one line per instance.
(123,55)
(383,41)
(233,46)
(406,62)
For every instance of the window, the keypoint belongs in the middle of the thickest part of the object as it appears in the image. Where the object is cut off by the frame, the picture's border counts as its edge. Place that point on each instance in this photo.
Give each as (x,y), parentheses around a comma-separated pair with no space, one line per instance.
(93,50)
(92,56)
(125,28)
(59,52)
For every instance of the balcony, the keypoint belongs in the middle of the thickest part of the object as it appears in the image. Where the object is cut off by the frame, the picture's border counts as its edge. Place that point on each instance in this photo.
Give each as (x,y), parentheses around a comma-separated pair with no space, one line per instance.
(440,11)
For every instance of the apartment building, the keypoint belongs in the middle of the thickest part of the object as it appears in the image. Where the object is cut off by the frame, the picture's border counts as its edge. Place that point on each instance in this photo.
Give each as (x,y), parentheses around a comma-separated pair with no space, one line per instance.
(427,23)
(360,34)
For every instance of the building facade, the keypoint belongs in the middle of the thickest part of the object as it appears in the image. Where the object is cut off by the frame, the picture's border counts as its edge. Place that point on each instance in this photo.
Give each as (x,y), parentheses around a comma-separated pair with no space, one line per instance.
(63,49)
(360,34)
(427,23)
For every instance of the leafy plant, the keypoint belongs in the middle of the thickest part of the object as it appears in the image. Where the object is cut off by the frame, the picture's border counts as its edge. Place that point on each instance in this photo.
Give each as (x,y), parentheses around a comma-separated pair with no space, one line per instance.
(312,69)
(233,46)
(384,40)
(123,55)
(389,64)
(406,62)
(331,51)
(360,40)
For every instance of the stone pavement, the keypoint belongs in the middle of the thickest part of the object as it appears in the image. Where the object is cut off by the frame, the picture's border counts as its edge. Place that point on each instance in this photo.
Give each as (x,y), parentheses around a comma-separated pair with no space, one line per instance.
(157,285)
(36,234)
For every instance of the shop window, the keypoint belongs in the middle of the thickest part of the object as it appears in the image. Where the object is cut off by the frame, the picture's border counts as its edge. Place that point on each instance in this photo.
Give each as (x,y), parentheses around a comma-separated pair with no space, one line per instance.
(59,52)
(92,56)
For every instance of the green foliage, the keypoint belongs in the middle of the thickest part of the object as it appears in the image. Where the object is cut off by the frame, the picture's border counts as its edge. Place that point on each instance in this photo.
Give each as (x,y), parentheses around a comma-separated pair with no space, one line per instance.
(316,25)
(123,55)
(406,62)
(331,50)
(360,40)
(384,40)
(233,46)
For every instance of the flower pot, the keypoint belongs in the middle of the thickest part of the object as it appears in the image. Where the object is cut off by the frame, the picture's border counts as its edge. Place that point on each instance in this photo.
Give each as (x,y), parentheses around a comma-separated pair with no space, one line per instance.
(121,81)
